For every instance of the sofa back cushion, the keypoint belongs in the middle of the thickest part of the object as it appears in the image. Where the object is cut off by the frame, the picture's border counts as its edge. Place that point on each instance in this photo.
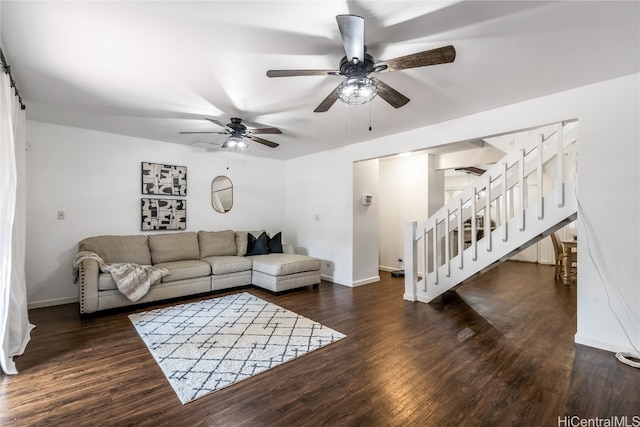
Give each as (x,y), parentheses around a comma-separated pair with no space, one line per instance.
(117,249)
(174,247)
(217,243)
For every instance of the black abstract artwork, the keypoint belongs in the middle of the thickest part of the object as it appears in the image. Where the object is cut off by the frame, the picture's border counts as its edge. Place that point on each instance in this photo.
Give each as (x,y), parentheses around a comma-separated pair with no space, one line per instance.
(164,180)
(164,214)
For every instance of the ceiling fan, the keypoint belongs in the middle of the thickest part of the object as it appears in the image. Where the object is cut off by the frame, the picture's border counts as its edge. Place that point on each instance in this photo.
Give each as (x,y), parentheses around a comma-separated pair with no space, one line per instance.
(237,131)
(359,88)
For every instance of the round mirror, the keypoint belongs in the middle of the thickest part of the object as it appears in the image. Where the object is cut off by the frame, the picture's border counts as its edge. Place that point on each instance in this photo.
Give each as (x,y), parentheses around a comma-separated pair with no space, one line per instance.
(221,194)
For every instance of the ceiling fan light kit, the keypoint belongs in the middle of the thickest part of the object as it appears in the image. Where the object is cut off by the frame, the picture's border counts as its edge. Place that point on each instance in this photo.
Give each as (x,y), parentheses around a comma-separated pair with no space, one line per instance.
(235,143)
(357,90)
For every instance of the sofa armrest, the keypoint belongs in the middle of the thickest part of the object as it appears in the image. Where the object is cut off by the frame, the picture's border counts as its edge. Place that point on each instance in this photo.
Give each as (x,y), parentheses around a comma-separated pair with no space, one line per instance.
(88,272)
(288,249)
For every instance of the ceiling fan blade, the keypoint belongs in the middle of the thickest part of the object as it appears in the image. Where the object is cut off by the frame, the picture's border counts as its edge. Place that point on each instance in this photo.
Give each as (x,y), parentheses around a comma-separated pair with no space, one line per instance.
(327,102)
(441,55)
(186,133)
(389,94)
(295,73)
(218,123)
(272,131)
(352,32)
(263,141)
(209,146)
(472,169)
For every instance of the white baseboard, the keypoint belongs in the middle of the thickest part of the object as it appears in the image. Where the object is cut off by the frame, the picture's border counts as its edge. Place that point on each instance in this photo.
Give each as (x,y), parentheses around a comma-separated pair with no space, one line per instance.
(366,281)
(388,269)
(602,345)
(51,302)
(334,280)
(351,284)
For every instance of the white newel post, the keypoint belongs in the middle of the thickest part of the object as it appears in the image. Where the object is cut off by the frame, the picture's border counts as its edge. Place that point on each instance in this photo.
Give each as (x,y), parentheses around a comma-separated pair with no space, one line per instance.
(410,261)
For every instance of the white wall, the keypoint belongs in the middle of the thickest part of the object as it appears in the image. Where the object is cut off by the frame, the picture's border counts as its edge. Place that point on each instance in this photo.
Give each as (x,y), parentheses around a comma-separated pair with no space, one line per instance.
(403,197)
(94,177)
(319,210)
(365,222)
(609,182)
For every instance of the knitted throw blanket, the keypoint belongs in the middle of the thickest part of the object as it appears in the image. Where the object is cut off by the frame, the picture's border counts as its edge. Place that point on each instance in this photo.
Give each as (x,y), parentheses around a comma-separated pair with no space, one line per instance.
(132,280)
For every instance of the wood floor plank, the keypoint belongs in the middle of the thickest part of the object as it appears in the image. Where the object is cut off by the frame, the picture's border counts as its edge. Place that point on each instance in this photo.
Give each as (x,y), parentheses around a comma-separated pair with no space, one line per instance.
(499,351)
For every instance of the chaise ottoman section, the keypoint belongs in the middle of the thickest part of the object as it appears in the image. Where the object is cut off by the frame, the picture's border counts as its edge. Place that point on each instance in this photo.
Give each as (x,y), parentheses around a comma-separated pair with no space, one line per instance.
(283,271)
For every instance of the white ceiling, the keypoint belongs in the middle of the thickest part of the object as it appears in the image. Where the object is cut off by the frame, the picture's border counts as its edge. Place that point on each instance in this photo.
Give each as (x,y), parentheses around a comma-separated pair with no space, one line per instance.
(152,69)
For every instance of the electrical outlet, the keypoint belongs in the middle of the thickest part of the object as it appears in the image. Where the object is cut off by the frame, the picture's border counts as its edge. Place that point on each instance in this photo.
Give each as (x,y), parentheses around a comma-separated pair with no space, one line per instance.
(399,259)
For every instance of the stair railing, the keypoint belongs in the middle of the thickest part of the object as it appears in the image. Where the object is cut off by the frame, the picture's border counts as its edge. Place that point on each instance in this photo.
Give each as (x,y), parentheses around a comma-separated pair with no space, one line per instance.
(471,221)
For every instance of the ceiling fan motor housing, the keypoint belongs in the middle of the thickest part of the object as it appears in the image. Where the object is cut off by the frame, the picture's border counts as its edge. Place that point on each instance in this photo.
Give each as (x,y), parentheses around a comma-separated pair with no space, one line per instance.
(361,68)
(239,130)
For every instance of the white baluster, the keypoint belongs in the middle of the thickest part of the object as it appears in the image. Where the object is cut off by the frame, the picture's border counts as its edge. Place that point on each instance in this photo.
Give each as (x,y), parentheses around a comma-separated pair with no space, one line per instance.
(435,252)
(539,177)
(474,239)
(460,233)
(521,184)
(425,257)
(487,214)
(504,202)
(559,162)
(447,244)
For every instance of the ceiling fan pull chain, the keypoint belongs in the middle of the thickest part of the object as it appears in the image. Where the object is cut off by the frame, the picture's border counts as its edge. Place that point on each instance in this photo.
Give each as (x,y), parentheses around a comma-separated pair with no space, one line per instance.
(346,118)
(369,117)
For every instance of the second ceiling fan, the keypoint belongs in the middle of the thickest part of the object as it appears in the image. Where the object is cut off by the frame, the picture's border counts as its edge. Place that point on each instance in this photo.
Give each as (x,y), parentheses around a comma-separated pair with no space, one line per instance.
(237,131)
(359,88)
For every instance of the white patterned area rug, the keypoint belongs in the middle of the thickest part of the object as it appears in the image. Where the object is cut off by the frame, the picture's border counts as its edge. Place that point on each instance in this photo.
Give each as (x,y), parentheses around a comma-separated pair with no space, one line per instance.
(207,345)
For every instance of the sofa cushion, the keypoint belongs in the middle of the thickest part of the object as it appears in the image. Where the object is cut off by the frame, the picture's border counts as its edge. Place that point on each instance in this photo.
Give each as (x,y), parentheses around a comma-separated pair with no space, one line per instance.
(174,247)
(282,264)
(242,240)
(185,269)
(217,243)
(116,249)
(228,264)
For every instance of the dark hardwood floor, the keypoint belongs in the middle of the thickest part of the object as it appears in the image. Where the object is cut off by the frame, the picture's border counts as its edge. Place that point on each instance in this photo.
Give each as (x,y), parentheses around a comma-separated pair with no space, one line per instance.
(498,352)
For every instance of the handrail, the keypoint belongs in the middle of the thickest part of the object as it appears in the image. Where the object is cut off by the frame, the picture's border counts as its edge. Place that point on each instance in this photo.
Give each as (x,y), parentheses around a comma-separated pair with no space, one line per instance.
(494,173)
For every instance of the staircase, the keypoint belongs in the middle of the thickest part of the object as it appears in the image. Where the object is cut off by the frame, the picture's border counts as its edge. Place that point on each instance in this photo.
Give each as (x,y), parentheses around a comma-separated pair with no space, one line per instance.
(523,198)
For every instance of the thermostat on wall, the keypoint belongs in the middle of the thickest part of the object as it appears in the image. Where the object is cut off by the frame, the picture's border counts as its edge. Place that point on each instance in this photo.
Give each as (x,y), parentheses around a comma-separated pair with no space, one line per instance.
(366,199)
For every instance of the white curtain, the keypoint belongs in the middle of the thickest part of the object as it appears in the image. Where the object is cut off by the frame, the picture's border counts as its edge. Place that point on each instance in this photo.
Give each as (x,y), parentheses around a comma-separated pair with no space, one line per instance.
(15,328)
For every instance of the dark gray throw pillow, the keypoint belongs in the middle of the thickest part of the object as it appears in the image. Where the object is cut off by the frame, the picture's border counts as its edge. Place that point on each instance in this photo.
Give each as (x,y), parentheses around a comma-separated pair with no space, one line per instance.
(275,244)
(259,246)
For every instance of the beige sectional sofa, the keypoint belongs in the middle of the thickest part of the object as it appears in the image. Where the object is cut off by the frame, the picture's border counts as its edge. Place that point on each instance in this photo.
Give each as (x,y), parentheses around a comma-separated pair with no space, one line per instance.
(198,263)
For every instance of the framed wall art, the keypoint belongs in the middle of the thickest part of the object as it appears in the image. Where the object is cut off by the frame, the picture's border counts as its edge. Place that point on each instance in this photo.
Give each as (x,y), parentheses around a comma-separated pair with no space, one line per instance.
(163,214)
(164,180)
